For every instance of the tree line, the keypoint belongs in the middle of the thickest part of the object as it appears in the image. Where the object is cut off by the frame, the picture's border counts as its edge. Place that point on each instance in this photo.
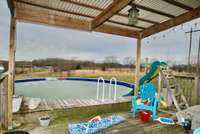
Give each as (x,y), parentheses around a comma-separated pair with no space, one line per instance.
(71,64)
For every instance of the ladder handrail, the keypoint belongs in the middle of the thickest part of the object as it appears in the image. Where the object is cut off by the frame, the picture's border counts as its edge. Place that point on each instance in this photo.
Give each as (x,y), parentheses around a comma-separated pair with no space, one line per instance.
(98,82)
(171,91)
(115,87)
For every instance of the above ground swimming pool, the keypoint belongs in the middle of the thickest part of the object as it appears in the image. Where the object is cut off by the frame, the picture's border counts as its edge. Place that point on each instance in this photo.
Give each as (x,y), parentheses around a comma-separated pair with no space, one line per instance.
(67,88)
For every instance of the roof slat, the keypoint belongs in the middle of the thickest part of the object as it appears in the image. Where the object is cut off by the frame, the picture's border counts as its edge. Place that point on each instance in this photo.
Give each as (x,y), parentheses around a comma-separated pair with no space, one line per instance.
(101,9)
(154,11)
(193,14)
(121,23)
(40,17)
(178,4)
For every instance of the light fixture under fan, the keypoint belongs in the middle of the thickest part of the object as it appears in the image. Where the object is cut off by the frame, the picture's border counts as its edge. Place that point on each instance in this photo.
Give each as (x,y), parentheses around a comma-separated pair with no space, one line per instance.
(133,14)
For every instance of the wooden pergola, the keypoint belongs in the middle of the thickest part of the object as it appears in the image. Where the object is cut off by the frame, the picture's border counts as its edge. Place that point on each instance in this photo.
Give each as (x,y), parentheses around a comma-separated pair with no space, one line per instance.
(106,16)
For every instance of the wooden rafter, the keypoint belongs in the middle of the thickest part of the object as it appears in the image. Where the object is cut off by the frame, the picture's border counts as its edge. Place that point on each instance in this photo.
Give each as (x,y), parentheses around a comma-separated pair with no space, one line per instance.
(141,19)
(101,9)
(124,24)
(40,17)
(52,8)
(178,4)
(193,14)
(45,18)
(118,31)
(111,10)
(11,6)
(83,4)
(74,13)
(154,11)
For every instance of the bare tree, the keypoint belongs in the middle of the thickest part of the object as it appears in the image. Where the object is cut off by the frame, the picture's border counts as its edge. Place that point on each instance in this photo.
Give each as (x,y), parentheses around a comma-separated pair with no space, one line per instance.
(111,60)
(129,60)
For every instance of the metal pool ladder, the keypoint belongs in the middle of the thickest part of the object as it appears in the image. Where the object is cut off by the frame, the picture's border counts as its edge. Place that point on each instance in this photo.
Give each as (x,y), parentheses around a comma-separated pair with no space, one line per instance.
(113,79)
(103,88)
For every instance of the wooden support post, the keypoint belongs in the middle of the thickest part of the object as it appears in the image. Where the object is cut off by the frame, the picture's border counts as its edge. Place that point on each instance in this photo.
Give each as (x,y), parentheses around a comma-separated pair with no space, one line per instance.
(195,94)
(198,58)
(3,101)
(137,66)
(189,53)
(11,71)
(146,65)
(159,82)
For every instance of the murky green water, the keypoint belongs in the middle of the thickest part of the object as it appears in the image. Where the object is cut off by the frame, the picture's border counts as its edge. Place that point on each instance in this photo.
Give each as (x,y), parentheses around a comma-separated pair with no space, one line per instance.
(64,89)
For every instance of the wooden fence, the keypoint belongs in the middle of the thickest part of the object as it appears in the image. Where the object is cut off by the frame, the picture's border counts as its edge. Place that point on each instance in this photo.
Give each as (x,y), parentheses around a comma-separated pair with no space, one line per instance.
(190,87)
(3,99)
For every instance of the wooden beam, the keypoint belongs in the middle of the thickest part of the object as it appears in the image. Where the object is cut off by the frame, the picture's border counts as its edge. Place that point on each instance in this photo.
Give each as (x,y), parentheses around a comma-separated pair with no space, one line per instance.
(4,102)
(37,17)
(73,13)
(11,7)
(48,19)
(117,31)
(11,70)
(195,93)
(111,10)
(124,24)
(193,14)
(154,11)
(83,4)
(101,9)
(137,66)
(148,21)
(53,9)
(179,4)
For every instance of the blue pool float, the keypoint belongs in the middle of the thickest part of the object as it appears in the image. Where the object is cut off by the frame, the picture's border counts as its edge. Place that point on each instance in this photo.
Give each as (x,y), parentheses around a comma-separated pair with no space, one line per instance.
(94,127)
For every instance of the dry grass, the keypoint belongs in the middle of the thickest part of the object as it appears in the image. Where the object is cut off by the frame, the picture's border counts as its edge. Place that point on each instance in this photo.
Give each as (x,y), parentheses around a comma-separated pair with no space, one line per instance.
(122,75)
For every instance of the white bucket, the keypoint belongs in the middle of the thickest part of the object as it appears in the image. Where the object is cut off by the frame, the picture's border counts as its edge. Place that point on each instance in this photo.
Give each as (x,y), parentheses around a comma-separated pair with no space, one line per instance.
(44,121)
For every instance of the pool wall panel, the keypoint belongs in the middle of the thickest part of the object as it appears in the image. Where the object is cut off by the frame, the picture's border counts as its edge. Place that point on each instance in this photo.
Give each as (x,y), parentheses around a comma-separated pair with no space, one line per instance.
(76,79)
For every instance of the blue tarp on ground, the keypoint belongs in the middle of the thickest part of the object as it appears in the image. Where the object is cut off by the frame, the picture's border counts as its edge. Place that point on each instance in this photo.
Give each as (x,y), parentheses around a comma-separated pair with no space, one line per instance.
(94,127)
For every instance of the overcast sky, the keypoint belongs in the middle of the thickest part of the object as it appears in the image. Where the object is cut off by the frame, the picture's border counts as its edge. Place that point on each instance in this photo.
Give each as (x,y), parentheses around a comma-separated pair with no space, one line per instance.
(38,41)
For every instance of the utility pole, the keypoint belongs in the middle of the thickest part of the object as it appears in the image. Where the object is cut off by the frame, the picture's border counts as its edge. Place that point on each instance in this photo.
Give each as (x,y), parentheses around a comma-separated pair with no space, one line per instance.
(190,44)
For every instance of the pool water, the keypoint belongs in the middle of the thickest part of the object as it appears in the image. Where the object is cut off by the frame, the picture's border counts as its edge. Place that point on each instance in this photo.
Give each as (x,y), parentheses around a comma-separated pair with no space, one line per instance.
(65,89)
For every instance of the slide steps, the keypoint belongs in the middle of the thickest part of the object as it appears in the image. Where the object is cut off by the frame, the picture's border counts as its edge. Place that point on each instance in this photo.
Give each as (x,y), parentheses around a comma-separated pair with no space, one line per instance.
(174,90)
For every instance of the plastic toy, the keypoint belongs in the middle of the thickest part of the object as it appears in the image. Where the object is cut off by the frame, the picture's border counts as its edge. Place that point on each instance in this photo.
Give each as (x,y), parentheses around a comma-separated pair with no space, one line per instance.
(153,73)
(147,92)
(145,116)
(164,120)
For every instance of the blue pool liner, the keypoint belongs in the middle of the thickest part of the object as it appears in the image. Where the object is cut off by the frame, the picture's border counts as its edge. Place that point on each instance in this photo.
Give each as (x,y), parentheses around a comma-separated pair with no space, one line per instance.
(122,83)
(197,131)
(94,127)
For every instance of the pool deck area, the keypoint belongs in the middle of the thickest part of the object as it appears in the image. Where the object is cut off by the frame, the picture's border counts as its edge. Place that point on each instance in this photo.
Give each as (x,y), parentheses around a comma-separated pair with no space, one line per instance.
(130,126)
(61,117)
(46,105)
